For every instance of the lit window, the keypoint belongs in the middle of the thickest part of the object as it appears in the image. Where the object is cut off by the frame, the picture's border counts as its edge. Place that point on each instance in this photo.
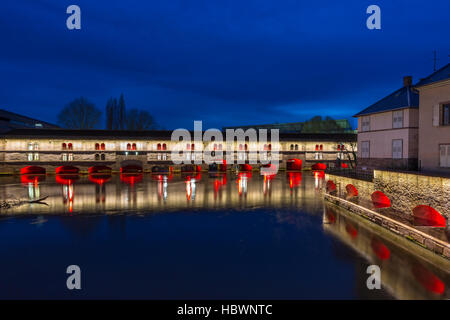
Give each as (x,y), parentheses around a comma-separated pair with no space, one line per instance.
(103,156)
(70,146)
(292,147)
(446,114)
(36,157)
(103,147)
(97,157)
(164,146)
(365,149)
(365,123)
(134,146)
(30,146)
(164,156)
(30,157)
(397,119)
(444,151)
(70,156)
(397,149)
(296,147)
(97,146)
(64,146)
(36,146)
(64,157)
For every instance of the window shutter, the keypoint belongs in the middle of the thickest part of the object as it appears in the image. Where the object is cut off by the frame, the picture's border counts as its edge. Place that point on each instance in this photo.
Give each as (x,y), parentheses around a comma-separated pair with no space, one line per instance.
(436,115)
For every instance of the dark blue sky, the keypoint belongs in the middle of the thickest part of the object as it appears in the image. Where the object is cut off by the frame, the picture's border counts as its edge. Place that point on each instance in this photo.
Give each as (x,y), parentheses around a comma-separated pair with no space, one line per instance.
(223,62)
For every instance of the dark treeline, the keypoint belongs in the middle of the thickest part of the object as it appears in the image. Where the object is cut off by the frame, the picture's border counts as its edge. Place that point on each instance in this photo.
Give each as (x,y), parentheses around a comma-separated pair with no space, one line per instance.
(83,114)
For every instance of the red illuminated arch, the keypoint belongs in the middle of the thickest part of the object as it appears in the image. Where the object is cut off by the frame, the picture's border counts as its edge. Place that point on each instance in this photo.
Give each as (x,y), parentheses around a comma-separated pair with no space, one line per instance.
(102,146)
(32,170)
(67,170)
(31,178)
(70,146)
(129,146)
(100,169)
(133,147)
(351,190)
(64,146)
(294,164)
(428,216)
(319,166)
(380,249)
(131,168)
(380,200)
(331,187)
(245,167)
(97,146)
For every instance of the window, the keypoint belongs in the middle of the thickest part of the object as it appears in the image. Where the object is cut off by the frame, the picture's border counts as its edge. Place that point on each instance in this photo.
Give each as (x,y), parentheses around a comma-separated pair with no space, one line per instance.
(292,147)
(164,146)
(70,146)
(446,115)
(64,157)
(102,146)
(36,146)
(444,151)
(159,156)
(365,149)
(30,146)
(134,146)
(30,157)
(64,146)
(97,156)
(188,146)
(36,157)
(397,119)
(97,146)
(397,149)
(365,123)
(159,146)
(296,147)
(70,156)
(164,156)
(103,156)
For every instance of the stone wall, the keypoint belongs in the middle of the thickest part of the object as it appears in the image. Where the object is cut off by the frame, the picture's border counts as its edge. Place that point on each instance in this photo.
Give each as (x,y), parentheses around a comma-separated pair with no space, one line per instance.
(408,190)
(405,190)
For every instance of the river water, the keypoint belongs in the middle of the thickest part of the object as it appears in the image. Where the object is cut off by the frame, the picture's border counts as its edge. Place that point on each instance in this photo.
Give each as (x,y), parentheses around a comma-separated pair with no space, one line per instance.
(204,236)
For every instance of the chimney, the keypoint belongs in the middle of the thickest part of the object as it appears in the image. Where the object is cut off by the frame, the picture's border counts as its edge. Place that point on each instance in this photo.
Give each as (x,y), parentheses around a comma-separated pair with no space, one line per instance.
(407,81)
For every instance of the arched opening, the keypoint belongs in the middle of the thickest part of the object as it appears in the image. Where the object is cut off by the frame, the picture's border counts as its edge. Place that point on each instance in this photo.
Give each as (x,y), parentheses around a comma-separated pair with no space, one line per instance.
(164,146)
(64,146)
(133,147)
(67,170)
(296,147)
(380,200)
(97,146)
(294,164)
(102,156)
(318,166)
(99,170)
(351,190)
(97,157)
(70,146)
(292,147)
(32,170)
(245,167)
(129,146)
(427,216)
(102,146)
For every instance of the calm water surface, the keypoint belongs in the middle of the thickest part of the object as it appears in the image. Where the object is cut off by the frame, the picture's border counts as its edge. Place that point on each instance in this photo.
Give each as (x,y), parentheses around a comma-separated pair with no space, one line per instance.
(198,237)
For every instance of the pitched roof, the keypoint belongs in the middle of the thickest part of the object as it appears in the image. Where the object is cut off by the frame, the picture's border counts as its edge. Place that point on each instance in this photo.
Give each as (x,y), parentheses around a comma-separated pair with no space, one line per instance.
(439,75)
(405,97)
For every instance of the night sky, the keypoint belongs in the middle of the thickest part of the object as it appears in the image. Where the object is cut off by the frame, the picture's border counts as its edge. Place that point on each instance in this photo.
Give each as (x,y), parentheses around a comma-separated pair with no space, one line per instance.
(223,62)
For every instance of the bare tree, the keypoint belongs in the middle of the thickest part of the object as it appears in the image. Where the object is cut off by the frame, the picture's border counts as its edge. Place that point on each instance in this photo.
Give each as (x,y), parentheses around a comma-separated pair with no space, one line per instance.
(79,114)
(139,120)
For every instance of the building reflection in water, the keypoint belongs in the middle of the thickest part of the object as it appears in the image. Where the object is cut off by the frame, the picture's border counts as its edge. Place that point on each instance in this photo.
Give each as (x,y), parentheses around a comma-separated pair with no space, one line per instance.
(149,192)
(406,272)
